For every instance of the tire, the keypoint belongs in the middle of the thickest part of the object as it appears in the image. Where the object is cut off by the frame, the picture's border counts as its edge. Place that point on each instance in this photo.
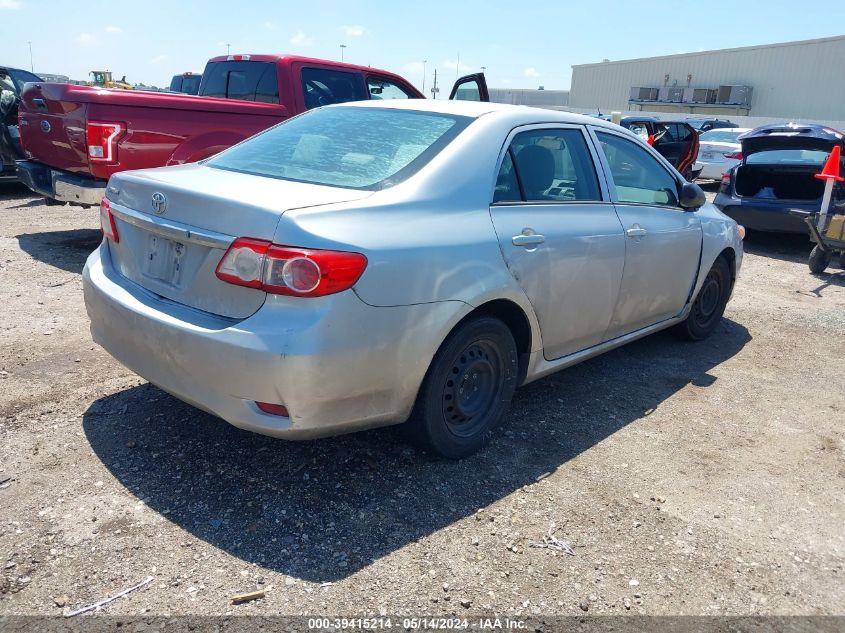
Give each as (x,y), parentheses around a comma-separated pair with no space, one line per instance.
(819,260)
(455,418)
(709,304)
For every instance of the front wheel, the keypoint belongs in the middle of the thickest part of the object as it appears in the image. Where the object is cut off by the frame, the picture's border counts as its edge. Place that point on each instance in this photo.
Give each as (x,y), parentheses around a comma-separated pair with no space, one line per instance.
(709,305)
(467,389)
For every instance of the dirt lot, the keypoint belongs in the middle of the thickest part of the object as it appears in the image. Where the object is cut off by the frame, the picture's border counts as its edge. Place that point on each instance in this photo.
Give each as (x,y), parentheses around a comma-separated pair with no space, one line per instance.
(690,478)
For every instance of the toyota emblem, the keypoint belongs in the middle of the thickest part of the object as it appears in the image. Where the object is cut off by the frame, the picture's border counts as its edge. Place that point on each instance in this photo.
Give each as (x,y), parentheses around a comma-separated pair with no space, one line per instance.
(159,203)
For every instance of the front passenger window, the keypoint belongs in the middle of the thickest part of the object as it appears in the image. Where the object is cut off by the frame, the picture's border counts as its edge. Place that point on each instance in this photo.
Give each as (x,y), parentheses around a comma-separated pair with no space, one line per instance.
(637,175)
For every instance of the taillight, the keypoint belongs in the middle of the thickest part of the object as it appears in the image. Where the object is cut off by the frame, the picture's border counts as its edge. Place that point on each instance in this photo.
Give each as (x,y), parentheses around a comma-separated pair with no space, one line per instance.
(734,155)
(726,182)
(107,221)
(288,270)
(102,140)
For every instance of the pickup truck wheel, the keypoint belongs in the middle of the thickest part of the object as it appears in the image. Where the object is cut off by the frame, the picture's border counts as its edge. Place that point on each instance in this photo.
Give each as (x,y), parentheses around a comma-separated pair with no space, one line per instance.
(709,305)
(467,389)
(819,260)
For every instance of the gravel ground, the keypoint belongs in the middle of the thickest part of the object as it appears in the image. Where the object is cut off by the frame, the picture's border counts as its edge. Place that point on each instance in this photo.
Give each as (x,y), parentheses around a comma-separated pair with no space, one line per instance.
(697,478)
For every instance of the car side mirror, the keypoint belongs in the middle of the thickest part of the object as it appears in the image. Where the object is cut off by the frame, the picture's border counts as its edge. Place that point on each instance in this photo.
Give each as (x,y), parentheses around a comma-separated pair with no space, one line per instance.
(692,196)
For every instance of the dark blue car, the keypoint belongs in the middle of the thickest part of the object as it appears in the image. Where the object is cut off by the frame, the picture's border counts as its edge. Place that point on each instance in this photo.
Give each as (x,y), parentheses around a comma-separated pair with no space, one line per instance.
(776,174)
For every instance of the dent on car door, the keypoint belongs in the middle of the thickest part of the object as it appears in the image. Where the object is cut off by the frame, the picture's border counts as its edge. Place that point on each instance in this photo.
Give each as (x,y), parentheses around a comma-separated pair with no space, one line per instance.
(560,235)
(470,88)
(662,240)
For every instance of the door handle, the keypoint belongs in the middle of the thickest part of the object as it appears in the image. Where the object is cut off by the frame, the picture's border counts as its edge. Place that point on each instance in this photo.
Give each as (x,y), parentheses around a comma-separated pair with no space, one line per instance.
(528,240)
(636,231)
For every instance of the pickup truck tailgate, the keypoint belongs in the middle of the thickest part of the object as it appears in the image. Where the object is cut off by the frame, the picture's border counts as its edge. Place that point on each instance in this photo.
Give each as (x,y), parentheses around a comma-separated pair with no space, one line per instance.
(53,128)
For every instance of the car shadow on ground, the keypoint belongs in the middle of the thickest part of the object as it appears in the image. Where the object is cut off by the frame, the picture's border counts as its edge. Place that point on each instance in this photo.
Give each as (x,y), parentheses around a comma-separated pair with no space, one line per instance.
(324,509)
(790,247)
(16,191)
(67,250)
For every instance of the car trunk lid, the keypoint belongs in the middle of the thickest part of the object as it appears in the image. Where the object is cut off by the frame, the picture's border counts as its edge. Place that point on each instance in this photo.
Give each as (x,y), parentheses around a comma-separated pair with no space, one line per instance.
(791,136)
(52,127)
(175,224)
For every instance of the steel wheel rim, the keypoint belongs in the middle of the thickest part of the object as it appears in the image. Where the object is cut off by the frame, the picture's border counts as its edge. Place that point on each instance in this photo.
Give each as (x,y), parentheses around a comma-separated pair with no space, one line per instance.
(472,388)
(707,304)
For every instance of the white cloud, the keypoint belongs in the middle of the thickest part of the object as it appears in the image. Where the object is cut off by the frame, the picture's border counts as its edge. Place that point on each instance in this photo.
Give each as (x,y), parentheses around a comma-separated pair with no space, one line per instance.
(10,4)
(114,29)
(413,68)
(354,30)
(158,59)
(269,26)
(531,72)
(300,39)
(451,64)
(86,39)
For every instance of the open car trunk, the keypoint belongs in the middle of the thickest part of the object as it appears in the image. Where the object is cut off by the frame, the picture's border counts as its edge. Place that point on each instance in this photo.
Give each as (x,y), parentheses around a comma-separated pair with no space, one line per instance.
(778,182)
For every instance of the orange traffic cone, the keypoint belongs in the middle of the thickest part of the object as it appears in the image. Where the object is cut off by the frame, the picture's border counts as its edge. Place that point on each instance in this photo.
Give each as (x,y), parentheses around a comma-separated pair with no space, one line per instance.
(830,171)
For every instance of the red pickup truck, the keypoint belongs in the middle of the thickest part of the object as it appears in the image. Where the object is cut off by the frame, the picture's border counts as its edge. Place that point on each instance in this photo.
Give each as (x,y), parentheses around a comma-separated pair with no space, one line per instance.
(75,137)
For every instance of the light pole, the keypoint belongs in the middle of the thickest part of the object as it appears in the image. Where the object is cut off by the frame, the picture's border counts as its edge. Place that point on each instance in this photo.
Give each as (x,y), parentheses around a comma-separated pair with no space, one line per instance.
(342,46)
(30,57)
(425,61)
(483,68)
(227,49)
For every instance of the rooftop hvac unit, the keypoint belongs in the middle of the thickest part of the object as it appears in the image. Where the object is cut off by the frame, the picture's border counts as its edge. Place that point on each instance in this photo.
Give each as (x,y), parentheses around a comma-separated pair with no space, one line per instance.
(700,95)
(676,95)
(643,94)
(734,95)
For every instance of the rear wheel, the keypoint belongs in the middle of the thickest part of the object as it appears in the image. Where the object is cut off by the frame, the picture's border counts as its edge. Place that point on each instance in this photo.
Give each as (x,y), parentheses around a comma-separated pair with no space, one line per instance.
(467,389)
(819,260)
(709,305)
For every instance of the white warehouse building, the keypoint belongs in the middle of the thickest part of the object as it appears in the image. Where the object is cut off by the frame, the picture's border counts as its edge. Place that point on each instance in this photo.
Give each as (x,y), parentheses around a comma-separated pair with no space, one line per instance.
(793,80)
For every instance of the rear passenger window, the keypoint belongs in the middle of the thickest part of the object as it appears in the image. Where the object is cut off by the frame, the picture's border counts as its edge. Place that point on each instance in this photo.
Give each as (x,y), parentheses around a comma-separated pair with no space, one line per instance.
(637,175)
(551,165)
(507,186)
(245,81)
(325,87)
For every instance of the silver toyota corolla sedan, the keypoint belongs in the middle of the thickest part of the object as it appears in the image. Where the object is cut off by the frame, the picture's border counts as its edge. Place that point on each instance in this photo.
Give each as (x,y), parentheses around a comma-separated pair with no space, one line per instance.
(369,264)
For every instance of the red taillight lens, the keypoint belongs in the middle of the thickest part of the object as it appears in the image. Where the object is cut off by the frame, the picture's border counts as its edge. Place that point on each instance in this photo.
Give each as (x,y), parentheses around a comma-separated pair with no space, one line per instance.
(107,221)
(102,140)
(734,155)
(289,271)
(273,409)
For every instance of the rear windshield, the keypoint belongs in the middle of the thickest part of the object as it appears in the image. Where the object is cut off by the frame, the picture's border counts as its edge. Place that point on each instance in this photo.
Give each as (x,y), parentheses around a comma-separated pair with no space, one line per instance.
(788,157)
(720,136)
(242,80)
(357,148)
(191,84)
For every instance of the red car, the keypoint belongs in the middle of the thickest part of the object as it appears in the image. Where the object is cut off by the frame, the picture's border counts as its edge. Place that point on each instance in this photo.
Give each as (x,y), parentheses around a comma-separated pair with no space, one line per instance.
(75,137)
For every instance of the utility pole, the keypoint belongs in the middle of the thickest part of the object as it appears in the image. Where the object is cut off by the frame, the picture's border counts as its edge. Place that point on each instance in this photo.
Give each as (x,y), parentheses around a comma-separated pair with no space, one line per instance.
(31,68)
(425,61)
(458,67)
(435,89)
(342,46)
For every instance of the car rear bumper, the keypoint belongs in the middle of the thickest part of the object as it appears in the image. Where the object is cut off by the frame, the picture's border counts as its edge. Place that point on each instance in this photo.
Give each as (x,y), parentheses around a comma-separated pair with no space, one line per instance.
(60,185)
(762,217)
(712,171)
(336,363)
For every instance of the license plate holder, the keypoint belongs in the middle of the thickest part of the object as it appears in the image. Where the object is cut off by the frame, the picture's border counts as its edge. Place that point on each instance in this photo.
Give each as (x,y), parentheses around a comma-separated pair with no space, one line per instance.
(707,156)
(164,259)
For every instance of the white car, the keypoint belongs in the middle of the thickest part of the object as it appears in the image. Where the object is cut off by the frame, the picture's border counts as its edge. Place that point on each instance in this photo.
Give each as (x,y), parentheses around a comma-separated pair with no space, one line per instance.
(718,151)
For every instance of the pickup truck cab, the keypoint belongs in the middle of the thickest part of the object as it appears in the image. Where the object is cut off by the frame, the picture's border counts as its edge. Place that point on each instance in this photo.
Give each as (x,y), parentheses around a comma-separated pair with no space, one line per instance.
(187,83)
(75,137)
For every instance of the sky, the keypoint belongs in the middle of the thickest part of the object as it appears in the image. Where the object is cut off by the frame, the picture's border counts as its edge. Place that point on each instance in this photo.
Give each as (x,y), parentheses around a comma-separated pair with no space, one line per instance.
(521,44)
